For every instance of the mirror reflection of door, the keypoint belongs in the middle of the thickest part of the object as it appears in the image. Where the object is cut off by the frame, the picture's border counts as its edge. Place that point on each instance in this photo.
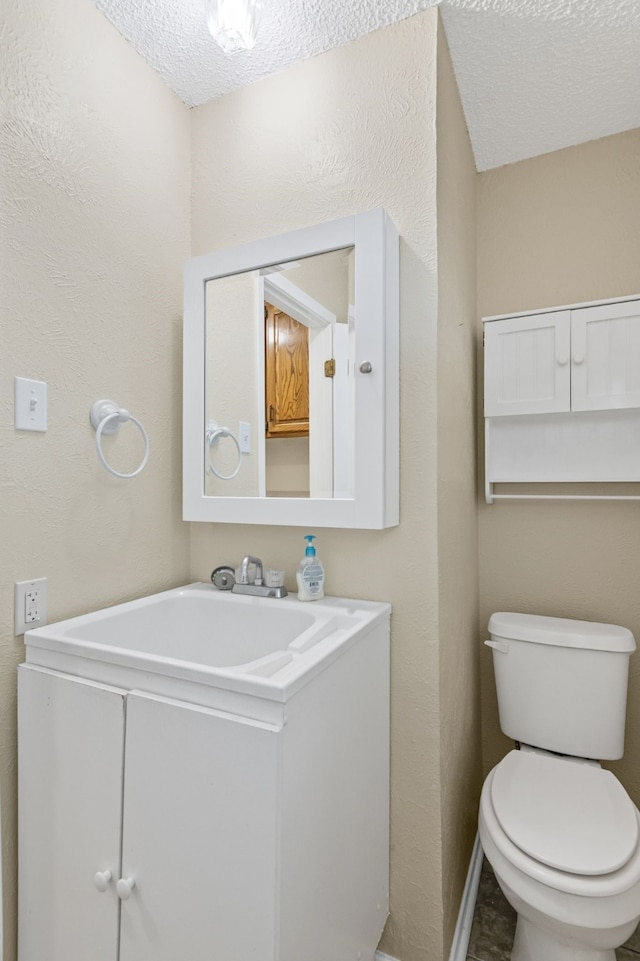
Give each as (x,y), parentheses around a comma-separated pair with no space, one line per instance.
(286,375)
(269,335)
(299,368)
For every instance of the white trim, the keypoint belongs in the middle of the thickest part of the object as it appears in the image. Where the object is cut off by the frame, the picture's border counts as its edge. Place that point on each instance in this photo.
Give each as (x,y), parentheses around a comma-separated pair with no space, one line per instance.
(296,303)
(462,932)
(460,944)
(552,310)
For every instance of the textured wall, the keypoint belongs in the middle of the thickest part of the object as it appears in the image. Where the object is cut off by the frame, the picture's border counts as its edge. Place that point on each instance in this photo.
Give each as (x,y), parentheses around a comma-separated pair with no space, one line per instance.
(460,765)
(350,130)
(231,361)
(561,229)
(94,193)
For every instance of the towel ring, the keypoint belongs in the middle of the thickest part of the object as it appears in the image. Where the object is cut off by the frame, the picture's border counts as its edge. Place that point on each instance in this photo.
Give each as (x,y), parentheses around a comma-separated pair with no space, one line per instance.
(212,434)
(106,418)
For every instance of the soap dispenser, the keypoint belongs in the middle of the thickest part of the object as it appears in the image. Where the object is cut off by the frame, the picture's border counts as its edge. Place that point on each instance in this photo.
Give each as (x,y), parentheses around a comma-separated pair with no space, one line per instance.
(310,574)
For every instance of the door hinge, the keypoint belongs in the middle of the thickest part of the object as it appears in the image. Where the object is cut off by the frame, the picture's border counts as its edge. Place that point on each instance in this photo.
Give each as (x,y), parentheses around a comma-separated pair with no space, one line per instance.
(330,368)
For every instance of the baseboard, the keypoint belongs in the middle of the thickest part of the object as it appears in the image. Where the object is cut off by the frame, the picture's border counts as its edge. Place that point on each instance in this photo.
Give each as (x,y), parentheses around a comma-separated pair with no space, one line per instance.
(462,932)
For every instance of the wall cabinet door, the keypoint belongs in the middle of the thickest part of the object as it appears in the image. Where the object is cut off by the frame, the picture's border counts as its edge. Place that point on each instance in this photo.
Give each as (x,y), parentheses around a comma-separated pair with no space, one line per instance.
(605,356)
(587,358)
(527,369)
(199,834)
(70,742)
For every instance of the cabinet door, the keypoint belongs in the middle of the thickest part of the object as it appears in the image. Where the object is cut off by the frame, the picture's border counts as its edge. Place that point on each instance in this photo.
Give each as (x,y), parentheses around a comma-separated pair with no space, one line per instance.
(70,742)
(199,834)
(527,367)
(605,356)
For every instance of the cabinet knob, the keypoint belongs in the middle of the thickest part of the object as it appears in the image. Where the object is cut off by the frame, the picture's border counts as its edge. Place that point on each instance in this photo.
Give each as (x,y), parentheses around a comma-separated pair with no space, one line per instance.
(366,367)
(124,887)
(578,359)
(563,361)
(101,879)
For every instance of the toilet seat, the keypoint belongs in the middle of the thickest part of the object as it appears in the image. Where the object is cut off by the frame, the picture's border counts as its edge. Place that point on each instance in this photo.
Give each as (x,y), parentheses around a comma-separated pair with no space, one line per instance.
(576,818)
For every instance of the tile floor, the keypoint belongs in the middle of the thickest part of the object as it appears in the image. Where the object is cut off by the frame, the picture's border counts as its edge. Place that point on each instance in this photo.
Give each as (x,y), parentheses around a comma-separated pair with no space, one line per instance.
(494,923)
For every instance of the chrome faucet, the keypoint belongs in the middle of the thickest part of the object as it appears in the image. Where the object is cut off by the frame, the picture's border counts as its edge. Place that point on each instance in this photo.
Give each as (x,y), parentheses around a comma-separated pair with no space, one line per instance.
(257,587)
(244,571)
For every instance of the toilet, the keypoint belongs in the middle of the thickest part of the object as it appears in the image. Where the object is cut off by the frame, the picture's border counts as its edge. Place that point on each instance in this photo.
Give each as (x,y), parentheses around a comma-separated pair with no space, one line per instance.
(560,831)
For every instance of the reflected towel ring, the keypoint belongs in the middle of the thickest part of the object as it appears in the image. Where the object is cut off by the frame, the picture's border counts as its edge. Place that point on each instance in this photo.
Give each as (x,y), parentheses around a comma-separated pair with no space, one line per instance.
(106,418)
(212,434)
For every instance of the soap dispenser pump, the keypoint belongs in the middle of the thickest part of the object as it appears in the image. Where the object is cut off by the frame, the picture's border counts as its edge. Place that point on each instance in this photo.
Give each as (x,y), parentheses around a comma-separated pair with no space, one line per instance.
(310,574)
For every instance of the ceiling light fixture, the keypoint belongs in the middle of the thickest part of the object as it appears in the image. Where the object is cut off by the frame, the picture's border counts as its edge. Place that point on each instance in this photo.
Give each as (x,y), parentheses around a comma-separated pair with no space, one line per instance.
(234,23)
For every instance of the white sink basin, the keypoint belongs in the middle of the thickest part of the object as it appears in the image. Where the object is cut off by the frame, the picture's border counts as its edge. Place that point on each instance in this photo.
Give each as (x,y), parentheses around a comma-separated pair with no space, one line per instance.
(199,633)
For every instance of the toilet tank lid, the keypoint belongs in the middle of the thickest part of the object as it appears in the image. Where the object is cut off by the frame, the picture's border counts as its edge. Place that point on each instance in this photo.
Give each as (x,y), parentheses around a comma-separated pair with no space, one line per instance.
(562,632)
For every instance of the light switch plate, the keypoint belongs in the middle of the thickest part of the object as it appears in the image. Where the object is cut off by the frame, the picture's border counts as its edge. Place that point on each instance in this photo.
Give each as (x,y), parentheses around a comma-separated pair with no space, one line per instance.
(244,436)
(30,404)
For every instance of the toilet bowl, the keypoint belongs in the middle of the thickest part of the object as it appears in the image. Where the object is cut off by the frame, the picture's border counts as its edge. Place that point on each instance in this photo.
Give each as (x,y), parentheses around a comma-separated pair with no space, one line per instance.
(563,838)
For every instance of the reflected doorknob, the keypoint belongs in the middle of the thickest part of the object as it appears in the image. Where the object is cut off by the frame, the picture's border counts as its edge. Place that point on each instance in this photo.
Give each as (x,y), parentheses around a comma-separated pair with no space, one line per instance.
(124,887)
(101,879)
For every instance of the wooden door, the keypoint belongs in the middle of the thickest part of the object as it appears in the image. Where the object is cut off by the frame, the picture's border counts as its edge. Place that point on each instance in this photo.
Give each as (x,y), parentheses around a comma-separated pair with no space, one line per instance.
(605,356)
(286,375)
(200,829)
(70,743)
(527,364)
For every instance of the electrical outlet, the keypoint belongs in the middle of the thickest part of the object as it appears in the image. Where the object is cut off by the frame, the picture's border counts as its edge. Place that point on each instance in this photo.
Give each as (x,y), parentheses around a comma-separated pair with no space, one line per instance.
(30,605)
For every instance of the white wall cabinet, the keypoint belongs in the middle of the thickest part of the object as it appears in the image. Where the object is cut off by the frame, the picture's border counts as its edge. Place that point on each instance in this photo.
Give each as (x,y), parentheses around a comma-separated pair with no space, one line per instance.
(527,364)
(562,395)
(605,357)
(579,359)
(253,830)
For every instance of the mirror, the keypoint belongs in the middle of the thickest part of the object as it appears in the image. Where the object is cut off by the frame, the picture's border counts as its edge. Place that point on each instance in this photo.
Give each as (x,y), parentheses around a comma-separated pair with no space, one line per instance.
(279,361)
(290,387)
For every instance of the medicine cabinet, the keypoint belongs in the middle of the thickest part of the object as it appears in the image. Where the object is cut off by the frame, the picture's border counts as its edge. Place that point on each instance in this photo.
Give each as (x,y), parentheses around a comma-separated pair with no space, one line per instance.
(326,455)
(562,396)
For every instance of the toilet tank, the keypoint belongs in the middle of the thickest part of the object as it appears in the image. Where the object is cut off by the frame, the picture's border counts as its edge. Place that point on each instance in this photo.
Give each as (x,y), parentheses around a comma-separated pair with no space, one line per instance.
(562,684)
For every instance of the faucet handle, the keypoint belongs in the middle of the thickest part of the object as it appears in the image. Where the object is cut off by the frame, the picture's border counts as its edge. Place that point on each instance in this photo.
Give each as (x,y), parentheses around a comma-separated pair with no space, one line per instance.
(223,578)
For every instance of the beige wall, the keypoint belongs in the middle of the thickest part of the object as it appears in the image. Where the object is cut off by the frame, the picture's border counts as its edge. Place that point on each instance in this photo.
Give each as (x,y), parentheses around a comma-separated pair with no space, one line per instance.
(560,229)
(94,168)
(94,193)
(460,766)
(231,391)
(355,129)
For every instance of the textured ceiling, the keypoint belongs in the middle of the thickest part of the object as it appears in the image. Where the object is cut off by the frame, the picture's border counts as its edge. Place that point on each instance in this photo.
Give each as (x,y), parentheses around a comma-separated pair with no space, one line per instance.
(534,75)
(539,75)
(172,35)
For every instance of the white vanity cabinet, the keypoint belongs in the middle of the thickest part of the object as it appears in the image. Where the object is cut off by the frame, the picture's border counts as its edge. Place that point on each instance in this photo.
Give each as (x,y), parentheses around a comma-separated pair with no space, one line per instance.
(562,395)
(180,810)
(70,796)
(179,798)
(579,359)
